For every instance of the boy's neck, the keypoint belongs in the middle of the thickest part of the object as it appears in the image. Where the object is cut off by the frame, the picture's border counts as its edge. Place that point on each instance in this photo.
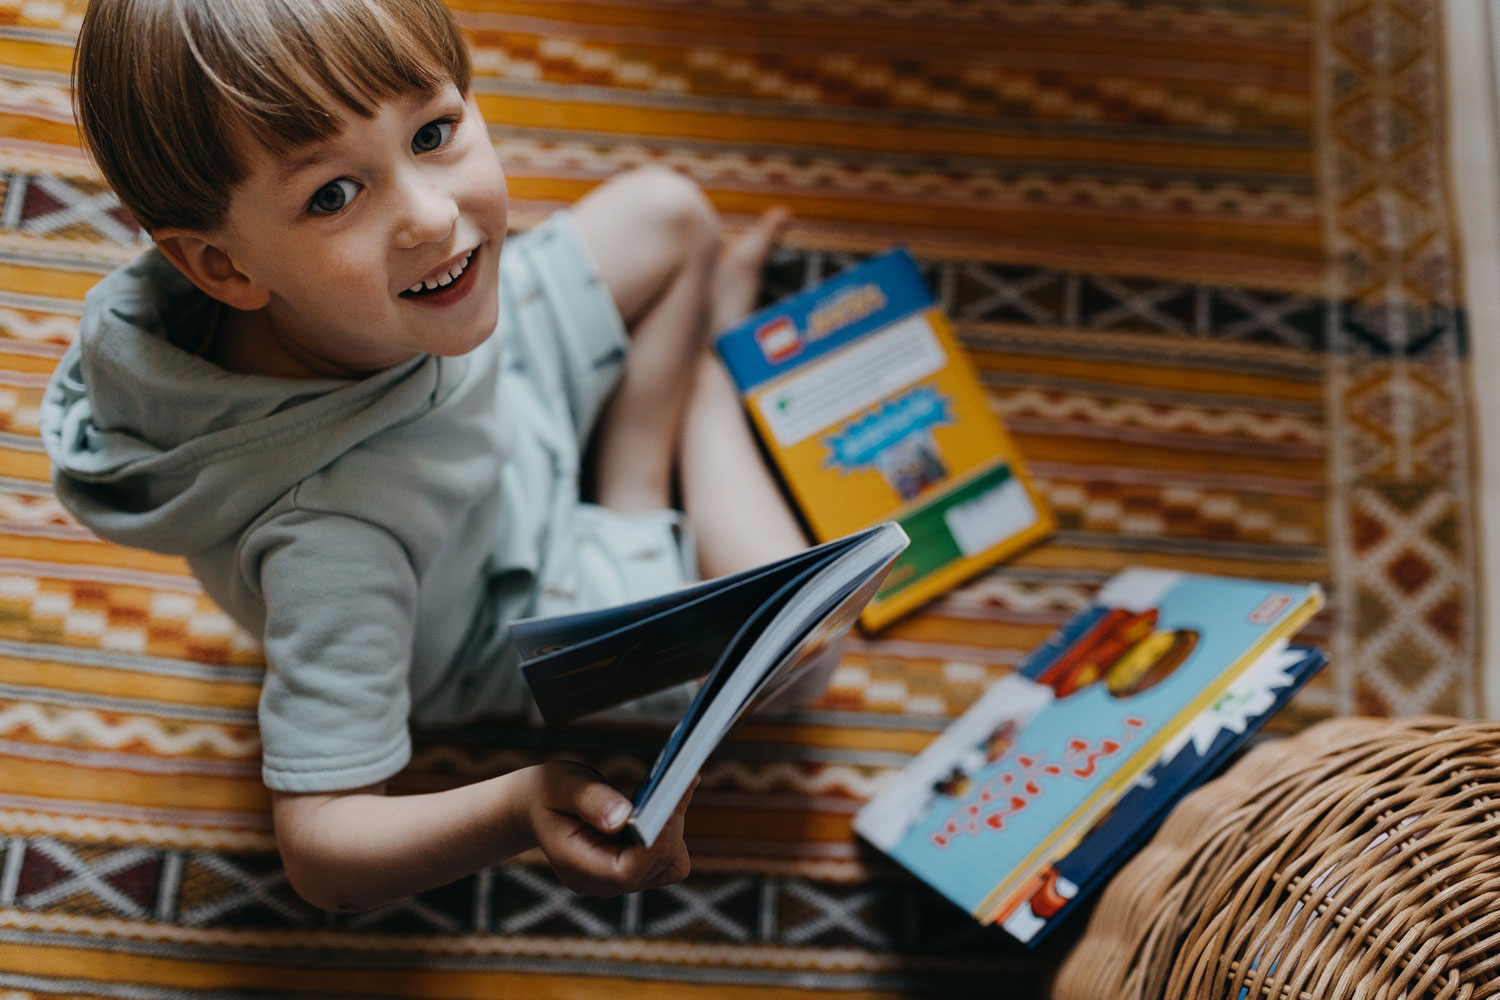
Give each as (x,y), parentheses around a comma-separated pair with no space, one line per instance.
(248,343)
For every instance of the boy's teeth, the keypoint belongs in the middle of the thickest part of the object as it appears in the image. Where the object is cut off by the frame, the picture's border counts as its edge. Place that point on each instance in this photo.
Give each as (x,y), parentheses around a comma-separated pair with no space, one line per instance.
(446,279)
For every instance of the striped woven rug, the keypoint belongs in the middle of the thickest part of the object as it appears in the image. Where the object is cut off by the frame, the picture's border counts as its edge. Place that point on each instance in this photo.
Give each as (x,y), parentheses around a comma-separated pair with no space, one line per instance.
(1203,254)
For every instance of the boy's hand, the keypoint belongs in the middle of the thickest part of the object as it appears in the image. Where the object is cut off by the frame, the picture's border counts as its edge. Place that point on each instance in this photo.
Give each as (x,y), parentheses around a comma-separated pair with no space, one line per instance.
(576,817)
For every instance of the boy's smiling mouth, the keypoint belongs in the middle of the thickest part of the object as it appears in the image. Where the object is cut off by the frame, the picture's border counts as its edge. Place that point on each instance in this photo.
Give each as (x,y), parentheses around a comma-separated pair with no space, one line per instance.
(447,286)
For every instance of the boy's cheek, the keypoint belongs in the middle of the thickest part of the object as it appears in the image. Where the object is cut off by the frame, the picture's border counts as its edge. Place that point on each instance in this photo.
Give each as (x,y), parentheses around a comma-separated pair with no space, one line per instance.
(348,273)
(491,188)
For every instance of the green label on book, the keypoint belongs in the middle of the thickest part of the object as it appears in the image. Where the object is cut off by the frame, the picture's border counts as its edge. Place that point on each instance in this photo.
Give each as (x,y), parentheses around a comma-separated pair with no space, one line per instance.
(987,509)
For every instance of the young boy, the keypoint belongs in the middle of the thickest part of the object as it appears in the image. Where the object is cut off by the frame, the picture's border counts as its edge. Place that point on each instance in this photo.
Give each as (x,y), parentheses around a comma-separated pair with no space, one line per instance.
(362,425)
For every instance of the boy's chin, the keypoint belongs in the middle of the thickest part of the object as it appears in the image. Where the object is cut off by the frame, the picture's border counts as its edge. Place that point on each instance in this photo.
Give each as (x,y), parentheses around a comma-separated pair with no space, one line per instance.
(457,347)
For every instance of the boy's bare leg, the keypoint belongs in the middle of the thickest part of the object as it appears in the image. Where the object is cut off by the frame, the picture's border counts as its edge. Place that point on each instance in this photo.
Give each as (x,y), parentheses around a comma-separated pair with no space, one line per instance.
(737,511)
(653,236)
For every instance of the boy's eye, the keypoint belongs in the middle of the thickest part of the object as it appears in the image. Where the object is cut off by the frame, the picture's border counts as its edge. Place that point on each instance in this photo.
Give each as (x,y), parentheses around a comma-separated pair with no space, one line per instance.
(332,197)
(432,136)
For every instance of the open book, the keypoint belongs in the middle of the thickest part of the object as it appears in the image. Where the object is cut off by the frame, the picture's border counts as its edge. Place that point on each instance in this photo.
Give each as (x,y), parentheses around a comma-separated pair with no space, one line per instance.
(755,634)
(1030,799)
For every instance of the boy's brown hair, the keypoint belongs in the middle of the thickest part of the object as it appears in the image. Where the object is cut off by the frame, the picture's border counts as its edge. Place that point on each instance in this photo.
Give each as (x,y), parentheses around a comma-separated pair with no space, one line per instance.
(171,94)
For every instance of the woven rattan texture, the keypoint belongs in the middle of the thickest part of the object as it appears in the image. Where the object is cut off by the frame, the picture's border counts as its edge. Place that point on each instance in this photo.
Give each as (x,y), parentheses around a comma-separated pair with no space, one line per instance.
(1357,859)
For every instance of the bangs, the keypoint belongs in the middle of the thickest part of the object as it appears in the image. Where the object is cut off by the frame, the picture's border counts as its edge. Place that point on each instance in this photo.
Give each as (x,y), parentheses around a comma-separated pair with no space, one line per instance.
(286,72)
(173,96)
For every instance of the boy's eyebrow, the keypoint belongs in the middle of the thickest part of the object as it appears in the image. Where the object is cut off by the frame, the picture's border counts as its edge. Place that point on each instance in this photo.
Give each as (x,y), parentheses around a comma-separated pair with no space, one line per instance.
(309,156)
(316,151)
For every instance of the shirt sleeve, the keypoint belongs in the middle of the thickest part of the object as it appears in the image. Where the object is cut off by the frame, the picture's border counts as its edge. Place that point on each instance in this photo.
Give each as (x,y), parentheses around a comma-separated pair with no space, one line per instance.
(340,598)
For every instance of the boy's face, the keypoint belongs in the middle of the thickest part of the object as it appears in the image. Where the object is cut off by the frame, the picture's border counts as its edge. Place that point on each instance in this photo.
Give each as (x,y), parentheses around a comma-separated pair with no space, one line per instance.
(337,235)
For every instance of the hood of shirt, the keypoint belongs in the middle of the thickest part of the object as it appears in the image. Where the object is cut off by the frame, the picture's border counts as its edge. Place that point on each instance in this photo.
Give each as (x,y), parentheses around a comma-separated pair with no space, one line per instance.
(157,448)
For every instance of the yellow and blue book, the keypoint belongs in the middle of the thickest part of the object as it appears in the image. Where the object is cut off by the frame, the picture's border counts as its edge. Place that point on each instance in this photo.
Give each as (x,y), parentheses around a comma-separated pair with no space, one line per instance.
(1040,790)
(871,412)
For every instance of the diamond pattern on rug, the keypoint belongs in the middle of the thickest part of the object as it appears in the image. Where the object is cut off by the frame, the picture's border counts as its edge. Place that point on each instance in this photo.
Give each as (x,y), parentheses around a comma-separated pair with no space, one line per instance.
(1384,329)
(998,294)
(49,205)
(447,909)
(1408,610)
(836,916)
(530,900)
(87,879)
(1293,321)
(981,292)
(221,890)
(705,908)
(1122,304)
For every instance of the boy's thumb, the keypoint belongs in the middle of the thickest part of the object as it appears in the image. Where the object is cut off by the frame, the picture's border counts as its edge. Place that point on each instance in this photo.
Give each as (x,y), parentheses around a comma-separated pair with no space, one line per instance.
(581,791)
(615,814)
(602,805)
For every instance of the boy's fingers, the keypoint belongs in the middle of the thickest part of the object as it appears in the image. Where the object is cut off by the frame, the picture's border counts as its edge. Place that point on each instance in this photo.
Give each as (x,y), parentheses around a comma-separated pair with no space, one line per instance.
(661,864)
(687,797)
(671,833)
(682,866)
(672,868)
(599,865)
(636,867)
(585,793)
(604,808)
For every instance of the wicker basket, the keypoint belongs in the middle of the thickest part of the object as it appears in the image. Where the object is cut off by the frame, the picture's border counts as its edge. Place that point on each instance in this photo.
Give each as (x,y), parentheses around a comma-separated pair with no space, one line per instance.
(1360,858)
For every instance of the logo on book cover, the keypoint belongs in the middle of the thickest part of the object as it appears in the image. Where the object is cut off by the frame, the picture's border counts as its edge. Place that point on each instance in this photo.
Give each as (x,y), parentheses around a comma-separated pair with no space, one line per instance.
(778,339)
(844,310)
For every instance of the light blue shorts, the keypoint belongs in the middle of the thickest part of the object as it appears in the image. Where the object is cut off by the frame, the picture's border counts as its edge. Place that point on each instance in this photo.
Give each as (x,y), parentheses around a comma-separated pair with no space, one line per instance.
(565,351)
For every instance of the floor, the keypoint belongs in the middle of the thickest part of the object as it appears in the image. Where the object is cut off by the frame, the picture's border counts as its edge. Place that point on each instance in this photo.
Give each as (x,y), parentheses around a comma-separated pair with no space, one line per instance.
(1473,28)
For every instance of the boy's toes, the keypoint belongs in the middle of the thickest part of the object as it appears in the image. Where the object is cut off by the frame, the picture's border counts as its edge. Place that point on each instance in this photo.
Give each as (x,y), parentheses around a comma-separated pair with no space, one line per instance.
(764,230)
(748,250)
(737,274)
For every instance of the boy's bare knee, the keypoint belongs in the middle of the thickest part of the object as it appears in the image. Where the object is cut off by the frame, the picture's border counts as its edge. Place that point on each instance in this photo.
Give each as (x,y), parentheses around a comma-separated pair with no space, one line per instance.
(676,203)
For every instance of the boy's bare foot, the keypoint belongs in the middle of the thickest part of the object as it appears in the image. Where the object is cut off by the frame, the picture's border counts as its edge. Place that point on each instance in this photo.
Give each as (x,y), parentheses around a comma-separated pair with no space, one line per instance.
(736,277)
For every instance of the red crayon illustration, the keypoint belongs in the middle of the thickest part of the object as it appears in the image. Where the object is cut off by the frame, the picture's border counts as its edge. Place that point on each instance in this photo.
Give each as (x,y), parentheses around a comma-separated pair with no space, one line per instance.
(1083,645)
(1125,633)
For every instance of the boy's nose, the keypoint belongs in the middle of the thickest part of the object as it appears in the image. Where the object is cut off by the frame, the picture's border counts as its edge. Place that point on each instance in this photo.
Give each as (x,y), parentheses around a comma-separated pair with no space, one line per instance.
(427,214)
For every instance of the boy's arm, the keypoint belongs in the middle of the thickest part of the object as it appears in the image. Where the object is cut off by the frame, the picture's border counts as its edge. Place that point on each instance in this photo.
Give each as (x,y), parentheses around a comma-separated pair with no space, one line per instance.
(340,597)
(357,849)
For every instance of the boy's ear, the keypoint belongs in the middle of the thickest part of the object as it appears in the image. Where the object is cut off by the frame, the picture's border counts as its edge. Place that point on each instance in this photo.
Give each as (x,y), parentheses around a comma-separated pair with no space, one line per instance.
(203,262)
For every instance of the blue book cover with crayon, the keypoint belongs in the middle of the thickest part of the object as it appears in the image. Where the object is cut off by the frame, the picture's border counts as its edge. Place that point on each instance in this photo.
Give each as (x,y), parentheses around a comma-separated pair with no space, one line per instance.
(1015,788)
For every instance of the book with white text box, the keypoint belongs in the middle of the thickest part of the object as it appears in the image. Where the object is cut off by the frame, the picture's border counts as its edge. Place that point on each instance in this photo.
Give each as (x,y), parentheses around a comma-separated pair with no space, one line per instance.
(871,412)
(992,812)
